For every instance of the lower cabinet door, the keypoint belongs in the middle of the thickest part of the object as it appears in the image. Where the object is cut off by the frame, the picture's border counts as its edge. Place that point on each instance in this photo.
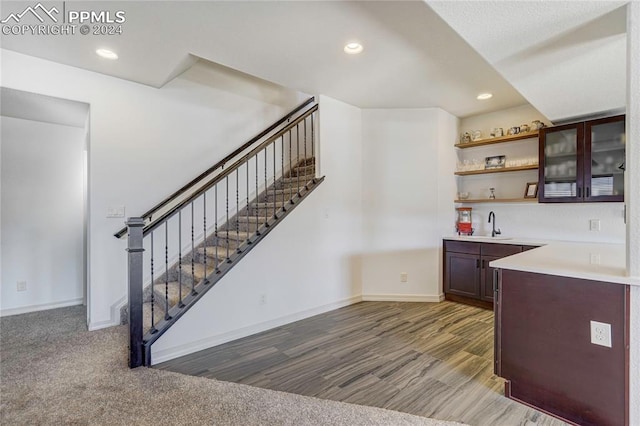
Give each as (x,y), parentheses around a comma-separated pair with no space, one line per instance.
(486,279)
(463,274)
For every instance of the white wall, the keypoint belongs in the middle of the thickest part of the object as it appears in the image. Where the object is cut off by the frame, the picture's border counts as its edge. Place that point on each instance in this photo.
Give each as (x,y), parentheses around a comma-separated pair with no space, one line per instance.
(505,118)
(309,264)
(402,196)
(448,129)
(145,143)
(42,215)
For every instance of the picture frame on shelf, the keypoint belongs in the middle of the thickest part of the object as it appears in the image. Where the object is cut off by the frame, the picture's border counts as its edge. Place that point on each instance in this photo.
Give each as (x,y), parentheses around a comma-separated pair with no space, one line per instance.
(531,191)
(495,162)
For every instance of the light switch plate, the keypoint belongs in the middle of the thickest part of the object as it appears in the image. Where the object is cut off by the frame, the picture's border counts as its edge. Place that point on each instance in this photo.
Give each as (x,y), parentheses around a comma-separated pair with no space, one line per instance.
(117,211)
(594,224)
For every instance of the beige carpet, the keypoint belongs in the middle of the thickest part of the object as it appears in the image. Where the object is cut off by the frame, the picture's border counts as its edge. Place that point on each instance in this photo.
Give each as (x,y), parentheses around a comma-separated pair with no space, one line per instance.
(53,371)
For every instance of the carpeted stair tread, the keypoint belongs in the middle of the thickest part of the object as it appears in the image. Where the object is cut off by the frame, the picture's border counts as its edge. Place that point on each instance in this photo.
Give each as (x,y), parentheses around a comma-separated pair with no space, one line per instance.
(307,167)
(210,251)
(303,170)
(251,219)
(233,235)
(296,179)
(198,271)
(173,288)
(158,314)
(268,204)
(286,191)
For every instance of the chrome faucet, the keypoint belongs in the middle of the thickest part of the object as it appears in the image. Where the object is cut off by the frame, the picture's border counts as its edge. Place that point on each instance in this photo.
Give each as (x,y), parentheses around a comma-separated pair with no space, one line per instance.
(494,232)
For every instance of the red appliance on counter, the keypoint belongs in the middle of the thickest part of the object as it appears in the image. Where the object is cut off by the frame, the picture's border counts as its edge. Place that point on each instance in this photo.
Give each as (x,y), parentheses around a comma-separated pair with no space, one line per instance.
(463,221)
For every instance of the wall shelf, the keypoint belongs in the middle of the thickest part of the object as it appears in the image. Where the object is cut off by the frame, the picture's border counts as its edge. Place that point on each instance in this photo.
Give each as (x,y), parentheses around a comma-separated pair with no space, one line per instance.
(498,200)
(501,170)
(501,139)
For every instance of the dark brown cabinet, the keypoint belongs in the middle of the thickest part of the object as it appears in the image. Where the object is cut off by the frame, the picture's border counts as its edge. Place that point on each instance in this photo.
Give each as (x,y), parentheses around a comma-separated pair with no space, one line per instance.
(583,162)
(486,277)
(462,272)
(544,352)
(468,278)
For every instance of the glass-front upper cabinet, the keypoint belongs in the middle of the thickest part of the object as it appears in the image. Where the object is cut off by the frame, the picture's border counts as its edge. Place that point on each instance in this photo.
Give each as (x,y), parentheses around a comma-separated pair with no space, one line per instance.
(605,146)
(583,162)
(561,171)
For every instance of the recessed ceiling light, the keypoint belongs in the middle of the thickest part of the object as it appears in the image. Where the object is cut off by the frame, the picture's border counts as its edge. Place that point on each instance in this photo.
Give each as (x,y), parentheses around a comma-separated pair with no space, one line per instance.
(484,96)
(107,54)
(353,48)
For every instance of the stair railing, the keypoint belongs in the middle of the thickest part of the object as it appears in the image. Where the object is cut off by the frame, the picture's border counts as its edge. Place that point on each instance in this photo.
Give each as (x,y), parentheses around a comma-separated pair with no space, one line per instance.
(189,188)
(180,248)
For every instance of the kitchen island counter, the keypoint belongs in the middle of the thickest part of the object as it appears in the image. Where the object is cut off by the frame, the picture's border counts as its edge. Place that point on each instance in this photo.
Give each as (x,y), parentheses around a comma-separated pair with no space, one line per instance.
(583,260)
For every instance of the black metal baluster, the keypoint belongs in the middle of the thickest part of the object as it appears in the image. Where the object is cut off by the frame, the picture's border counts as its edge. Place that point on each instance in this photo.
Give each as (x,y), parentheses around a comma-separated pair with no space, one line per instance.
(204,227)
(246,207)
(166,270)
(290,170)
(315,162)
(238,210)
(193,265)
(266,218)
(282,169)
(256,199)
(216,259)
(227,221)
(298,155)
(180,304)
(275,200)
(153,299)
(305,147)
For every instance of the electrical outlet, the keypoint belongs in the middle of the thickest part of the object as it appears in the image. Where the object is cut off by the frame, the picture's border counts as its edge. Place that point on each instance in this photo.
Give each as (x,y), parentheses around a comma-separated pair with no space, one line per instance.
(601,333)
(263,299)
(21,286)
(594,258)
(594,225)
(404,277)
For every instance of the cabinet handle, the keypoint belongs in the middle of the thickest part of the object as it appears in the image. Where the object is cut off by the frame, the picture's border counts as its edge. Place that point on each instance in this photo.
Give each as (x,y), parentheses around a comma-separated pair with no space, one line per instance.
(495,281)
(588,189)
(477,263)
(579,192)
(483,263)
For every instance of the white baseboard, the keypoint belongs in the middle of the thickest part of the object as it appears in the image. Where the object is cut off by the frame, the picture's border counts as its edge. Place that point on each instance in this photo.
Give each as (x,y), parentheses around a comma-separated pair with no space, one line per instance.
(115,316)
(175,352)
(40,307)
(98,325)
(403,298)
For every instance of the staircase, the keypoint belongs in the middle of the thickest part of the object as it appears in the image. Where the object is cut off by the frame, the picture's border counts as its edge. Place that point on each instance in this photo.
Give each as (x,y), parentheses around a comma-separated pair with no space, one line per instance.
(186,244)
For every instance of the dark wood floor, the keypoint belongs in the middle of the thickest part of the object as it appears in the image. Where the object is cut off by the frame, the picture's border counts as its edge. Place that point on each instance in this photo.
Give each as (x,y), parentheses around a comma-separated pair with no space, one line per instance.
(429,359)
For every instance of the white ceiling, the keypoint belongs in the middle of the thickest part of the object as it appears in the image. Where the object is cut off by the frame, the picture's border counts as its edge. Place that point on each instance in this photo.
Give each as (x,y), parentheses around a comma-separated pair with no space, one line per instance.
(411,57)
(47,109)
(566,58)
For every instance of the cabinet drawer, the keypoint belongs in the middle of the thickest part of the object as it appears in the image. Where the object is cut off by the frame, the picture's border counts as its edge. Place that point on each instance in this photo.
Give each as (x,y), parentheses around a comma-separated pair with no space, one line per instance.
(501,250)
(462,247)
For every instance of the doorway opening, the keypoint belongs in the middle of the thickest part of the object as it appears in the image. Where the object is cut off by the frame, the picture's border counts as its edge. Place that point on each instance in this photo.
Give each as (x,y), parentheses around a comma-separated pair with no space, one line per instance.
(44,202)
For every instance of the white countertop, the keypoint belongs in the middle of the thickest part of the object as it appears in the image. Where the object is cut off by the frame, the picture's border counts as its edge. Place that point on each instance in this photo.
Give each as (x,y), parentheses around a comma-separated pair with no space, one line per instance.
(583,260)
(498,240)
